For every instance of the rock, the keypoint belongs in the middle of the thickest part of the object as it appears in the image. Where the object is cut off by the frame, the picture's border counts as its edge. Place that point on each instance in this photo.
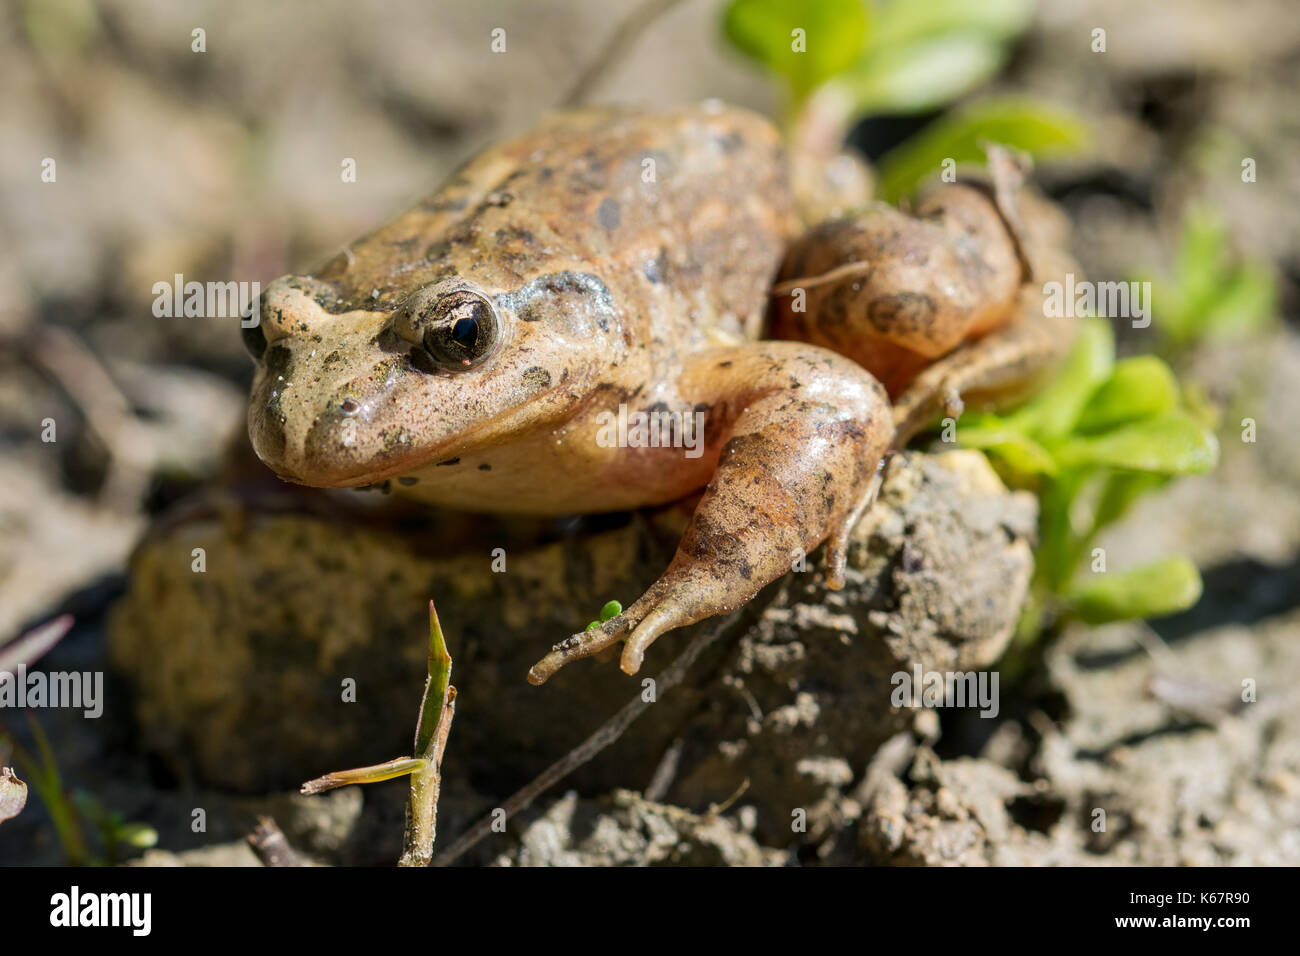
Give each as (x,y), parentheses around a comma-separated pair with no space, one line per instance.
(238,672)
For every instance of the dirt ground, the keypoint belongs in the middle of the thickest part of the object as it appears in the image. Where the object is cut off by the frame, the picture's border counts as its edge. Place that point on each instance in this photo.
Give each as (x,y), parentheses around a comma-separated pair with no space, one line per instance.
(782,747)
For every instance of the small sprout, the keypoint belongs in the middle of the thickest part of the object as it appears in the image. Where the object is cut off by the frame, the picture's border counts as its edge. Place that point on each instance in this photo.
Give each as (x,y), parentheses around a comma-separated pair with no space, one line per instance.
(1211,294)
(1100,435)
(437,707)
(611,610)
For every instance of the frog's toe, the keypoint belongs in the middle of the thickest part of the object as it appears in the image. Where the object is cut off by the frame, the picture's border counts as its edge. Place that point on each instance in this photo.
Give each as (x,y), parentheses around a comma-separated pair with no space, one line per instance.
(580,645)
(662,619)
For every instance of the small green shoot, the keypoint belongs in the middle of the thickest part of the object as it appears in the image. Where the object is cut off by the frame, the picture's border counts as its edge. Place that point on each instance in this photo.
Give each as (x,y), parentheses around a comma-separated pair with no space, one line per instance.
(841,60)
(42,772)
(612,609)
(118,835)
(433,726)
(1210,294)
(805,42)
(1100,435)
(882,56)
(1041,130)
(922,54)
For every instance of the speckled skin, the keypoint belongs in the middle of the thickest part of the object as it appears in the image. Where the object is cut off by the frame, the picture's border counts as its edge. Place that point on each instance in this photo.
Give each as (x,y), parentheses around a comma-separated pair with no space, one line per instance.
(622,258)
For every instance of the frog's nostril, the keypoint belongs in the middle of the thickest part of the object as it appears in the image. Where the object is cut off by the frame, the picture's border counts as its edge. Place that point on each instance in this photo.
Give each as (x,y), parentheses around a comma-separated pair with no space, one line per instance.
(254,341)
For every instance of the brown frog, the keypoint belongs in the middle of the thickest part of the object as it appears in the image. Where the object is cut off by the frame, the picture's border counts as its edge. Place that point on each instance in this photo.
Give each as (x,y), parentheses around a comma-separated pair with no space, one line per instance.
(572,325)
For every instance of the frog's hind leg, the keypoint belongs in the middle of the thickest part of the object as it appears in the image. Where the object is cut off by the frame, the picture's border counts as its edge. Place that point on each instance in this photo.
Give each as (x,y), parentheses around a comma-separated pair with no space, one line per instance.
(800,432)
(993,370)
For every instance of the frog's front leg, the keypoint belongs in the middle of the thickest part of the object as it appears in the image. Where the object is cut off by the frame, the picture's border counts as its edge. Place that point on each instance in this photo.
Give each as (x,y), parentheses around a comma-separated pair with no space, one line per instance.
(801,432)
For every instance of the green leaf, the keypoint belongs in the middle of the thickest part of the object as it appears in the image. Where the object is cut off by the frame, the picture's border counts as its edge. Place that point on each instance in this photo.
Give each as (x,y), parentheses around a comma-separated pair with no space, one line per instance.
(832,38)
(1154,590)
(1246,303)
(1055,410)
(1139,387)
(1038,128)
(1210,294)
(905,21)
(1058,545)
(1016,449)
(139,835)
(434,701)
(612,609)
(1119,491)
(922,75)
(1170,444)
(922,55)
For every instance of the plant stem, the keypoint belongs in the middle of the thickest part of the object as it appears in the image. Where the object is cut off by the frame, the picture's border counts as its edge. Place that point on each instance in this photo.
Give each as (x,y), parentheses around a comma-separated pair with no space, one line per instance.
(431,731)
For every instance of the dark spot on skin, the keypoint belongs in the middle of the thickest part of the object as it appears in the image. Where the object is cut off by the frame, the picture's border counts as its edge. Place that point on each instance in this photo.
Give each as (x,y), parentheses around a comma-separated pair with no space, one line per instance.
(902,312)
(449,461)
(408,480)
(516,234)
(731,142)
(726,364)
(608,215)
(656,269)
(333,358)
(484,467)
(279,361)
(537,377)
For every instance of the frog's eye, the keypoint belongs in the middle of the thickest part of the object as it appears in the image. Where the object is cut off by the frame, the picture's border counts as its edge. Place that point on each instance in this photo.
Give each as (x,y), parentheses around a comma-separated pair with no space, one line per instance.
(464,330)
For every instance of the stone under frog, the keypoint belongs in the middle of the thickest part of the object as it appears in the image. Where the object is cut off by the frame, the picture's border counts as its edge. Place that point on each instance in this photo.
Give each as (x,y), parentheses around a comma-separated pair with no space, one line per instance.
(473,351)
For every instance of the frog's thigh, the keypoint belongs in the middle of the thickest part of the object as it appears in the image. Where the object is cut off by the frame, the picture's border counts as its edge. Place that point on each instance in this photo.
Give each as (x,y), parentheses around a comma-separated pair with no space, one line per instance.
(996,368)
(803,432)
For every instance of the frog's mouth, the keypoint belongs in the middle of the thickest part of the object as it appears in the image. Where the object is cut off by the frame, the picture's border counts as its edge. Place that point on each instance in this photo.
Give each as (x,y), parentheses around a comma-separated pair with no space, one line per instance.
(386,425)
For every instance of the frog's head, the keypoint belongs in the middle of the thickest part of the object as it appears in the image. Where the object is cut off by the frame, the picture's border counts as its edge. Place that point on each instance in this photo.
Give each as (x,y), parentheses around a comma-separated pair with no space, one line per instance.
(350,393)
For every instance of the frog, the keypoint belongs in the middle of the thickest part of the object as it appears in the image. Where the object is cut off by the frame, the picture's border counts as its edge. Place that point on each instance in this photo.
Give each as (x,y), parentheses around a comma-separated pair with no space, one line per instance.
(614,264)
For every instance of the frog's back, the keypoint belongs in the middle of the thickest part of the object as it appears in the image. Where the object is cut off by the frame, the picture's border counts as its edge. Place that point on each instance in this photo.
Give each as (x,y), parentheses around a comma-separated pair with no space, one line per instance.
(683,215)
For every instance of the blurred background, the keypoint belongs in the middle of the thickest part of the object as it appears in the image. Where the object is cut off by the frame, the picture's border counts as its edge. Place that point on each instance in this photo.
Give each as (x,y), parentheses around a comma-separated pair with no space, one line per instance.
(223,164)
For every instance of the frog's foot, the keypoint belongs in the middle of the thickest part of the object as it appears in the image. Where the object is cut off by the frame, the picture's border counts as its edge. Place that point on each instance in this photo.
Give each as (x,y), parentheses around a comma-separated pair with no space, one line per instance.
(670,603)
(994,369)
(801,434)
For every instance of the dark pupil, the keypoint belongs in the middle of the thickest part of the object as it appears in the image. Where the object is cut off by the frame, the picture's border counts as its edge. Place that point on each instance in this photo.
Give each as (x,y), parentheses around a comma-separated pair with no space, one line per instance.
(465,332)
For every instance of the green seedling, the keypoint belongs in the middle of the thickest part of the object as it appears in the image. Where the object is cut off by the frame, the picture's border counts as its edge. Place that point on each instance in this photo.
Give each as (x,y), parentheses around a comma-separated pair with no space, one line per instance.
(1101,435)
(842,60)
(1210,294)
(437,708)
(612,609)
